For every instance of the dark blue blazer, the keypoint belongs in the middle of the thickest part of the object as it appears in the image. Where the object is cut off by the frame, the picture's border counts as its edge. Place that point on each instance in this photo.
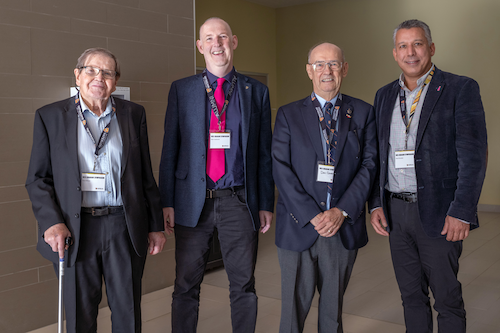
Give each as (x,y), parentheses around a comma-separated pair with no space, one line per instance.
(182,179)
(450,152)
(296,150)
(53,181)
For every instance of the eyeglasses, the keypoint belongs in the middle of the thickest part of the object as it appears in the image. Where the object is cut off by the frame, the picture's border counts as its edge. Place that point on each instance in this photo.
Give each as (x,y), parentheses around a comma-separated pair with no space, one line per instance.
(94,71)
(320,66)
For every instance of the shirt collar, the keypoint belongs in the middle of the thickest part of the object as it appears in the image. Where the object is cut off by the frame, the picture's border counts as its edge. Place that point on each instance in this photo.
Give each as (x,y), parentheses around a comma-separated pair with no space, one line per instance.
(104,114)
(323,101)
(420,81)
(212,78)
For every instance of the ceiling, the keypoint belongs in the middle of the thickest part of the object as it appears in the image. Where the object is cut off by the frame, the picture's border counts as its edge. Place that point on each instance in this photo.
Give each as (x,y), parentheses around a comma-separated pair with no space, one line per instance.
(282,3)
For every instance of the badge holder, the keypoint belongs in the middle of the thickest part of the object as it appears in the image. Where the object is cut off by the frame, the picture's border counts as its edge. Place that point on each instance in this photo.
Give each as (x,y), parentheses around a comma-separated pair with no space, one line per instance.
(220,140)
(404,159)
(325,172)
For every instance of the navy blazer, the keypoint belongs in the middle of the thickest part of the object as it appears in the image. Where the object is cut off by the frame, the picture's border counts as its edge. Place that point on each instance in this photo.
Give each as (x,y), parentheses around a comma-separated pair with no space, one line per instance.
(182,179)
(450,151)
(296,150)
(53,181)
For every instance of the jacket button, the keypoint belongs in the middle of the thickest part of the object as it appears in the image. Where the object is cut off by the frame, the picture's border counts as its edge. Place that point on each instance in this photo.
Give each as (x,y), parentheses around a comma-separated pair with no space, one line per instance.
(77,215)
(322,203)
(202,180)
(78,188)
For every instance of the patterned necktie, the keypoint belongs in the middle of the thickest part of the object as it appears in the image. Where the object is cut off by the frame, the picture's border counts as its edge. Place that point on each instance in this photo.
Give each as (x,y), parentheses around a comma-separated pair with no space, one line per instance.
(216,163)
(330,125)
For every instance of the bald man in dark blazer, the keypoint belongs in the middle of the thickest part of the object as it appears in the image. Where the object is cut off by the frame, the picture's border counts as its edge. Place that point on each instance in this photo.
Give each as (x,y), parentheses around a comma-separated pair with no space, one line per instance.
(318,233)
(239,204)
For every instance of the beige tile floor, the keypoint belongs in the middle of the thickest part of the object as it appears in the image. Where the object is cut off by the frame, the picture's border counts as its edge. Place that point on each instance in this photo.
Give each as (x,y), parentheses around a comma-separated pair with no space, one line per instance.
(372,303)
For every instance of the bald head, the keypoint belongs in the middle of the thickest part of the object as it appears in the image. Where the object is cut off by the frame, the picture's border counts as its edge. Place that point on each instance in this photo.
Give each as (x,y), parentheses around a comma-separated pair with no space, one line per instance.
(217,44)
(218,20)
(323,46)
(326,68)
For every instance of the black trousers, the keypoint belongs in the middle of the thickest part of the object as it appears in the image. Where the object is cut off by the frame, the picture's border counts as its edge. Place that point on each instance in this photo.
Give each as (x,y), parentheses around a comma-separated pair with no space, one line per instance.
(105,252)
(238,241)
(421,262)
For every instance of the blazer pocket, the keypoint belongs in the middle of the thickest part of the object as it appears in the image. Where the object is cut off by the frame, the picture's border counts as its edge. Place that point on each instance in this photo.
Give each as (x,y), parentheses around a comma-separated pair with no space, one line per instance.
(357,136)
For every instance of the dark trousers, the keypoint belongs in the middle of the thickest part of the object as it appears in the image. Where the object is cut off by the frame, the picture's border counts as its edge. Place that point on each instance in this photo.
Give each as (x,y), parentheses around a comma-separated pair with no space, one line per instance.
(327,266)
(238,241)
(421,262)
(105,252)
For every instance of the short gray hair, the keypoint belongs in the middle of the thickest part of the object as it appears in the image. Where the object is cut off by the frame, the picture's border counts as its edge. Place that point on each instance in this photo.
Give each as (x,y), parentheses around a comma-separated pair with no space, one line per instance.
(413,24)
(97,50)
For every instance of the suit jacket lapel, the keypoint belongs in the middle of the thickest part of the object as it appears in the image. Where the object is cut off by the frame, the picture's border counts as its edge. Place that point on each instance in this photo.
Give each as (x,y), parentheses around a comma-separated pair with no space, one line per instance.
(70,119)
(311,122)
(123,118)
(385,116)
(436,86)
(344,120)
(198,96)
(245,95)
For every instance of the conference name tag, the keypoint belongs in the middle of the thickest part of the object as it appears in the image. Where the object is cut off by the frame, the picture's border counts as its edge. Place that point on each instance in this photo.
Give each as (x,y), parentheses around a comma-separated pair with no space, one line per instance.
(93,181)
(325,173)
(220,140)
(404,159)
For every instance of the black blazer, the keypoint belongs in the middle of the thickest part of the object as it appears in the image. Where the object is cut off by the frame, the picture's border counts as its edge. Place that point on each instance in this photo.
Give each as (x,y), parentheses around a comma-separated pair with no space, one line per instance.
(450,152)
(296,149)
(183,164)
(53,181)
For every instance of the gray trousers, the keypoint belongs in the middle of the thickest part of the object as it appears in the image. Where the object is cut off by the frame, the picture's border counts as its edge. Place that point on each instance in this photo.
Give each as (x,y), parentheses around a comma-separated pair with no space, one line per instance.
(327,266)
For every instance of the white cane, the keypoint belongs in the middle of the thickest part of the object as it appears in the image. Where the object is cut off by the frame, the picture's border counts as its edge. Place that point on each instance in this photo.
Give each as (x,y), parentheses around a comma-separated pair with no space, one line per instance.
(61,311)
(60,322)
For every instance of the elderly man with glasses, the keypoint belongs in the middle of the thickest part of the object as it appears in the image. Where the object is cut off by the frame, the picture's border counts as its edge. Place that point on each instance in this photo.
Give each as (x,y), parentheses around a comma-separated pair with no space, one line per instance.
(90,179)
(324,163)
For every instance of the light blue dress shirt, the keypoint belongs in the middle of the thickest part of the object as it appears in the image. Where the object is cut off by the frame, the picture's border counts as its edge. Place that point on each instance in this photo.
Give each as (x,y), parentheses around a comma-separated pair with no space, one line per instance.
(108,161)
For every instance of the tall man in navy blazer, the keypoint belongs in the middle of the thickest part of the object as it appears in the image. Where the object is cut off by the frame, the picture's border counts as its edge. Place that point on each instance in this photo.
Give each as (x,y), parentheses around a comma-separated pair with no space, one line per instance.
(432,145)
(319,231)
(237,204)
(110,226)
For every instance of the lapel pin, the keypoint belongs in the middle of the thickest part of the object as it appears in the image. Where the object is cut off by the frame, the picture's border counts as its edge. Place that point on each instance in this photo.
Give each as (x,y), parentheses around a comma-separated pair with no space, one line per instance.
(439,88)
(349,113)
(246,87)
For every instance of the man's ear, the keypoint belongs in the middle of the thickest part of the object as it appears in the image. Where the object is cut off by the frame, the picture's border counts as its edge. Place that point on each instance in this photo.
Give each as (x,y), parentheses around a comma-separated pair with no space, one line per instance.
(199,45)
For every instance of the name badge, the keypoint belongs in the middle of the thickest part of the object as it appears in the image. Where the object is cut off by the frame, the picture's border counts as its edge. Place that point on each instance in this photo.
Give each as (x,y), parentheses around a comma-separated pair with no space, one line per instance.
(220,140)
(325,173)
(93,181)
(404,159)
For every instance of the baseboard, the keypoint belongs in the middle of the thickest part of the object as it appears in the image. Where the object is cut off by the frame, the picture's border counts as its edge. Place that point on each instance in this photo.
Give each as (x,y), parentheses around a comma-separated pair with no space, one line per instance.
(488,208)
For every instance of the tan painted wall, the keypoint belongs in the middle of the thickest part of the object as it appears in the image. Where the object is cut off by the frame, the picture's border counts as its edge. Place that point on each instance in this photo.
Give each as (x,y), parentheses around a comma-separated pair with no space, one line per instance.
(466,35)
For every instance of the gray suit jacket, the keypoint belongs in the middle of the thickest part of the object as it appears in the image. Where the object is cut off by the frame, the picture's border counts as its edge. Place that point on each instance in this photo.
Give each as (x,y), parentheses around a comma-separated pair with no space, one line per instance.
(53,181)
(183,162)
